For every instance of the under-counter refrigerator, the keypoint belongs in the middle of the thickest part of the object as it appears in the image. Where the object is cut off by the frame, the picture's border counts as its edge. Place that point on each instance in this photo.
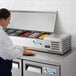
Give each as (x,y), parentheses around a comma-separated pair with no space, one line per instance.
(43,64)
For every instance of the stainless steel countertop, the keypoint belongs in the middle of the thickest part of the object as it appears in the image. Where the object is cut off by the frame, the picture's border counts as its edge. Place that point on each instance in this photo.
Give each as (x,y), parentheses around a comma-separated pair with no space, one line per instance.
(48,58)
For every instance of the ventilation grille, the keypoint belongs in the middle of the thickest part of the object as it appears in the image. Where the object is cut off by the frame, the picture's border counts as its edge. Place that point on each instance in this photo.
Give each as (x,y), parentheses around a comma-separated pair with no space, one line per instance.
(55,45)
(66,44)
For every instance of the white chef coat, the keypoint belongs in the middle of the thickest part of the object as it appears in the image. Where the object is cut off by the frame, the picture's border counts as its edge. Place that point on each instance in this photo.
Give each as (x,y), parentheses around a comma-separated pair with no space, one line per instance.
(7,49)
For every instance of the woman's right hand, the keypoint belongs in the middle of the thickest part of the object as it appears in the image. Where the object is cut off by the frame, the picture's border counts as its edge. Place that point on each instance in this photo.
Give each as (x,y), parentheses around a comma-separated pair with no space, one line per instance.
(24,48)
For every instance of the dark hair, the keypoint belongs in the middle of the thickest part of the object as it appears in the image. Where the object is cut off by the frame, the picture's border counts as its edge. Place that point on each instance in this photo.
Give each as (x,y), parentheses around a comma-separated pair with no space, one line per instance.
(4,13)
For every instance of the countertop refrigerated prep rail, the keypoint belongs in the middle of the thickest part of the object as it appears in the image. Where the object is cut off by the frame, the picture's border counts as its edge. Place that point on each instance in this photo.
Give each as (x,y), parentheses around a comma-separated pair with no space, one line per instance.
(35,29)
(40,41)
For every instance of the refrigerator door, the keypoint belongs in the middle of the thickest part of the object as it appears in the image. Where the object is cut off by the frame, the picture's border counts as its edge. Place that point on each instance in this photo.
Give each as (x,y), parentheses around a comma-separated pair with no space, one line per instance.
(16,67)
(39,69)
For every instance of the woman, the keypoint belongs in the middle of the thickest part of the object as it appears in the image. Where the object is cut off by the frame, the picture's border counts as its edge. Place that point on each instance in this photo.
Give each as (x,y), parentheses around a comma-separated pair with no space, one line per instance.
(7,50)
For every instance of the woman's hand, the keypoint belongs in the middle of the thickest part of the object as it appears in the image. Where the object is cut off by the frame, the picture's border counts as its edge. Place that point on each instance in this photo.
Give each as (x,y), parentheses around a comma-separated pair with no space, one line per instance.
(25,48)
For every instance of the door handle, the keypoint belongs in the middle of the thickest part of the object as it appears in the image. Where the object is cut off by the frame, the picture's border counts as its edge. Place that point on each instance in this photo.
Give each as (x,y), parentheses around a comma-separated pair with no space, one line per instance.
(15,65)
(33,68)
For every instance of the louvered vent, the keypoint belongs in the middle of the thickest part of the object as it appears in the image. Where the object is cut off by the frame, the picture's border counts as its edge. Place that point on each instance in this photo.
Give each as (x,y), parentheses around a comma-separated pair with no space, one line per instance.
(66,44)
(55,45)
